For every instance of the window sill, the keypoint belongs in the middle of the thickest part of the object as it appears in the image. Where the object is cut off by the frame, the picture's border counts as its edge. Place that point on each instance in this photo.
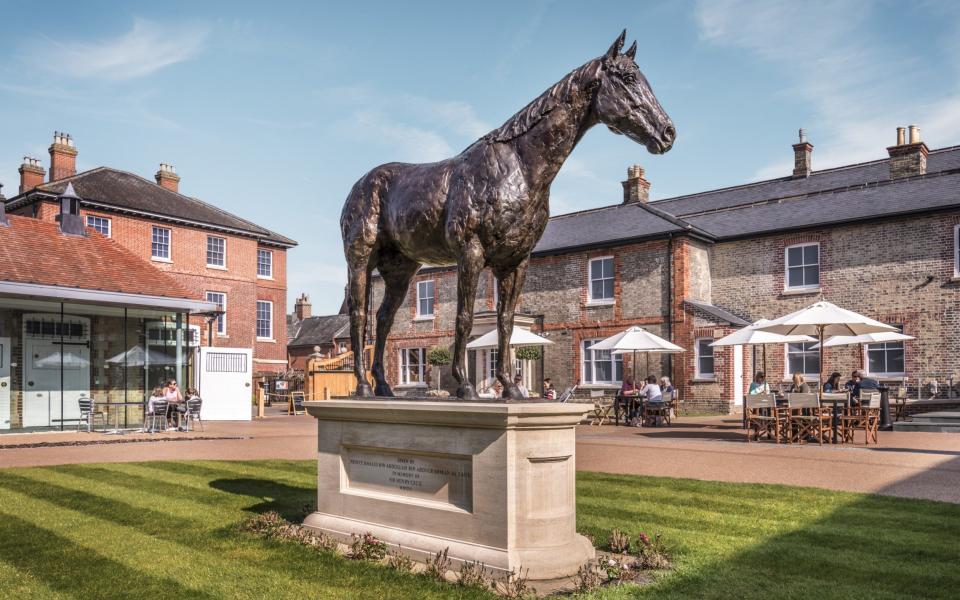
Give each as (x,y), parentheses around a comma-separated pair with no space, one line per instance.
(593,303)
(158,259)
(264,277)
(599,386)
(217,267)
(801,291)
(424,318)
(268,340)
(703,380)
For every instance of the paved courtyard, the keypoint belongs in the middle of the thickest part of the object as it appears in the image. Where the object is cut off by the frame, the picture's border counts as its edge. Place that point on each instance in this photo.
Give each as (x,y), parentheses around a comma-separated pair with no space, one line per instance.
(919,465)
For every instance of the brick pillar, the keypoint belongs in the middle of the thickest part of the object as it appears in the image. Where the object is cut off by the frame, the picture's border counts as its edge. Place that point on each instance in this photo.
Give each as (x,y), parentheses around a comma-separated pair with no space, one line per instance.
(682,324)
(802,157)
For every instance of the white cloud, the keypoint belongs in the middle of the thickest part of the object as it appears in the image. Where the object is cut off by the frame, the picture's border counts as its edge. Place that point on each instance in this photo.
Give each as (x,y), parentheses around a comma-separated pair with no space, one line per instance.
(860,84)
(146,48)
(418,128)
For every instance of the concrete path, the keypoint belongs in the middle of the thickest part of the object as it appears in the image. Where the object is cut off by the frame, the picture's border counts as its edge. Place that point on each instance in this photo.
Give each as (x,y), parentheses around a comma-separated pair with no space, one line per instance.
(919,465)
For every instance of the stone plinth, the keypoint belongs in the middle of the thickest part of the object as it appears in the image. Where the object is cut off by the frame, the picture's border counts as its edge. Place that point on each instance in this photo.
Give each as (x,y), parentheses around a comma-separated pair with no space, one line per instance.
(493,482)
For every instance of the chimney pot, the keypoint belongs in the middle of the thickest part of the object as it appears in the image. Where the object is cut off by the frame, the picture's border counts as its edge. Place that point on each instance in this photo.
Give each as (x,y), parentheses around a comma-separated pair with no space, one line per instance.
(908,159)
(167,177)
(636,188)
(31,174)
(914,134)
(901,136)
(302,307)
(802,156)
(63,157)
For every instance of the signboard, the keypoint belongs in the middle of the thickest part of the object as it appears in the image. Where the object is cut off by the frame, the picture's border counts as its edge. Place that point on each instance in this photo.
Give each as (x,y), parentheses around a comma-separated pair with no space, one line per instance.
(414,477)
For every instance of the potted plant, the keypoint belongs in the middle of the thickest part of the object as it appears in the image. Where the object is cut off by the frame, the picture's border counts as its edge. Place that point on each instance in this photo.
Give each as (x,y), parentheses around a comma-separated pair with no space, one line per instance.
(439,357)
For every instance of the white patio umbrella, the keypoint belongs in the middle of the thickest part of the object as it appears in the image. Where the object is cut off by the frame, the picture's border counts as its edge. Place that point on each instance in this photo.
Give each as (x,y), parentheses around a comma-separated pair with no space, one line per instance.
(636,339)
(822,320)
(752,336)
(521,336)
(867,338)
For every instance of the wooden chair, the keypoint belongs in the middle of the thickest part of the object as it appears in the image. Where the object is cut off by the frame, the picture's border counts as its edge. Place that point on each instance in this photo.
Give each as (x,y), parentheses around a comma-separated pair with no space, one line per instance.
(866,418)
(654,411)
(601,408)
(899,402)
(763,417)
(806,418)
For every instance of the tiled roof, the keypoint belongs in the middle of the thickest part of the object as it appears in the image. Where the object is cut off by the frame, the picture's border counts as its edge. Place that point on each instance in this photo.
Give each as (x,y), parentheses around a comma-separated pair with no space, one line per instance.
(122,190)
(320,330)
(35,251)
(852,193)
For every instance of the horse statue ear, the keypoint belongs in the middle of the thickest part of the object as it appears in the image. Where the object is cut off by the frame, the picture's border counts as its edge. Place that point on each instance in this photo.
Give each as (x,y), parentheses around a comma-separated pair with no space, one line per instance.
(632,52)
(617,46)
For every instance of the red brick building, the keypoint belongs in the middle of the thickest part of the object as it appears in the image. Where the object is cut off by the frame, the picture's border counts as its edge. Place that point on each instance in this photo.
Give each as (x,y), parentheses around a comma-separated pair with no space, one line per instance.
(881,238)
(213,254)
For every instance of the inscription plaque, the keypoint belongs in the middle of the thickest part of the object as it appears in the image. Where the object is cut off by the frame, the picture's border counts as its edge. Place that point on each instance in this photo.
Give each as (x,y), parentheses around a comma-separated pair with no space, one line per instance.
(410,477)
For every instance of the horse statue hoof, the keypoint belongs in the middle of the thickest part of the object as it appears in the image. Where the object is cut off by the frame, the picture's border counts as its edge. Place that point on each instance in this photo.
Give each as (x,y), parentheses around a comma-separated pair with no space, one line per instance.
(383,390)
(467,392)
(364,390)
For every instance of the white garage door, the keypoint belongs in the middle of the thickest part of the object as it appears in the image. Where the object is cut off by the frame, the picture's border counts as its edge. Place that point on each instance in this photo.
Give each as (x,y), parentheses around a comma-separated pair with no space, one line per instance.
(224,380)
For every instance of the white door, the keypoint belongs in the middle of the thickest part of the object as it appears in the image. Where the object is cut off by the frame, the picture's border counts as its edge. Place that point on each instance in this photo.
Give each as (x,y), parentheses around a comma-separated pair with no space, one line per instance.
(43,403)
(224,376)
(737,375)
(4,383)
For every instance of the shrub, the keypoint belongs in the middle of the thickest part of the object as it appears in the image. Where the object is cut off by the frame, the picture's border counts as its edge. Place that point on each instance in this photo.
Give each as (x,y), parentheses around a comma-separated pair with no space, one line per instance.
(438,565)
(472,574)
(528,353)
(618,570)
(400,562)
(587,578)
(439,357)
(514,585)
(271,525)
(618,542)
(367,547)
(652,553)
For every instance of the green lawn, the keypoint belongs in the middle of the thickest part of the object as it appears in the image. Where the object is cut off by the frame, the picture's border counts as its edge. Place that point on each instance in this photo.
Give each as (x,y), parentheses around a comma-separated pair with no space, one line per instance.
(169,530)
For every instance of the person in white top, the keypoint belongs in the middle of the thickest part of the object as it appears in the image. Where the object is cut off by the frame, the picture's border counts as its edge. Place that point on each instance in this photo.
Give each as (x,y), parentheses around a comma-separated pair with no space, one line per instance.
(651,390)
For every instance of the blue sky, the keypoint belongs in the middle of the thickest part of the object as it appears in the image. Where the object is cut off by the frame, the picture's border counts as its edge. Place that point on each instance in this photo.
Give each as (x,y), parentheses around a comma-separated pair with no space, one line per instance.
(274,110)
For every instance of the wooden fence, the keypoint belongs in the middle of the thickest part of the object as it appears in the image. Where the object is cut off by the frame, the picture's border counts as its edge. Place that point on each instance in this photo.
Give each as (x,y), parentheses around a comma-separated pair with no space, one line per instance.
(326,378)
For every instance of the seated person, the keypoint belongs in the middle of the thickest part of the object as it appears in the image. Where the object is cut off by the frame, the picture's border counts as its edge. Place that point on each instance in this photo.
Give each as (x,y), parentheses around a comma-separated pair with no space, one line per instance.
(759,384)
(518,381)
(833,383)
(628,394)
(651,391)
(549,392)
(853,386)
(665,386)
(798,385)
(155,396)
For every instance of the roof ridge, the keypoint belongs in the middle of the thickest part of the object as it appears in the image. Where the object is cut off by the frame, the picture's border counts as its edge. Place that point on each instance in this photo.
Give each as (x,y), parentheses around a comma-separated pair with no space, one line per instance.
(846,188)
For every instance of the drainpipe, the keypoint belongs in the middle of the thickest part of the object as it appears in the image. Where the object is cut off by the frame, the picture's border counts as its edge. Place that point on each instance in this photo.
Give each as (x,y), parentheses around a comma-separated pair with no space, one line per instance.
(669,328)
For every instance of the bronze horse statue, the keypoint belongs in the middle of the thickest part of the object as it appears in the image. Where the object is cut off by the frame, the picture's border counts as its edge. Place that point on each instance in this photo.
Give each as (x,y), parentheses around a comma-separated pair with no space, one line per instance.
(486,207)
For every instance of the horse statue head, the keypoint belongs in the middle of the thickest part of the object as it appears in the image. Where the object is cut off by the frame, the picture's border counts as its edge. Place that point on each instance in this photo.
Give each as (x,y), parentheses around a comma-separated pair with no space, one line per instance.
(625,103)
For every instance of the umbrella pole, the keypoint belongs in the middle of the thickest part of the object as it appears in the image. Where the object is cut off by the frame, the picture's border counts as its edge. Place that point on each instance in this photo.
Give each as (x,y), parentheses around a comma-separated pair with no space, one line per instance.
(820,335)
(648,363)
(765,362)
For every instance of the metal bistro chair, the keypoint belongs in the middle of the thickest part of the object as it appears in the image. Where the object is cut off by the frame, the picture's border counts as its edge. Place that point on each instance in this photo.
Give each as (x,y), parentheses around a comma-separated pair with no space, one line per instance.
(567,394)
(806,417)
(154,416)
(866,418)
(655,413)
(193,413)
(89,414)
(763,417)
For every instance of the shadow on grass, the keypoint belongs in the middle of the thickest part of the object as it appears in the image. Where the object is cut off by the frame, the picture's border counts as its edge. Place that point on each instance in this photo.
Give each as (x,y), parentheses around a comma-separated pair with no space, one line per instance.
(290,501)
(854,546)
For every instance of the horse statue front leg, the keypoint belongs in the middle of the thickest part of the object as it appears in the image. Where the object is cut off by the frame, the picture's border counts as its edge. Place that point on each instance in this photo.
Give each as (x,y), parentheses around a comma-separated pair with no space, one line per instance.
(468,272)
(511,283)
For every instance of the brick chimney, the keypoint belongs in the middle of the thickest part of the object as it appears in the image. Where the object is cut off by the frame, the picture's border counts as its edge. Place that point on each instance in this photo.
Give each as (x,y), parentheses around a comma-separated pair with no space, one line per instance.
(63,156)
(3,209)
(635,188)
(31,174)
(802,156)
(908,158)
(302,308)
(167,177)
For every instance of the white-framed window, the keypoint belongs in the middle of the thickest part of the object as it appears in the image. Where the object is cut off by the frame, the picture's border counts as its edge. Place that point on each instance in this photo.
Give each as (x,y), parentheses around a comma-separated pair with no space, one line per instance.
(600,366)
(601,280)
(216,251)
(160,243)
(264,263)
(802,266)
(886,358)
(426,297)
(803,358)
(264,320)
(221,300)
(956,251)
(101,224)
(411,365)
(704,359)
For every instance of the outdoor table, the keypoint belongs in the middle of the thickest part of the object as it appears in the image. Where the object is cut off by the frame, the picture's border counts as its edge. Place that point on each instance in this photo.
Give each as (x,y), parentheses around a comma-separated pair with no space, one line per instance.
(116,424)
(838,401)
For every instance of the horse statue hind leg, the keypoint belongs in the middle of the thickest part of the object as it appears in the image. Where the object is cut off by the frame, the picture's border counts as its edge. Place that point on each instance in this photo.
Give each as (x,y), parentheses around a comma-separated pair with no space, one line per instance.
(510,284)
(397,271)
